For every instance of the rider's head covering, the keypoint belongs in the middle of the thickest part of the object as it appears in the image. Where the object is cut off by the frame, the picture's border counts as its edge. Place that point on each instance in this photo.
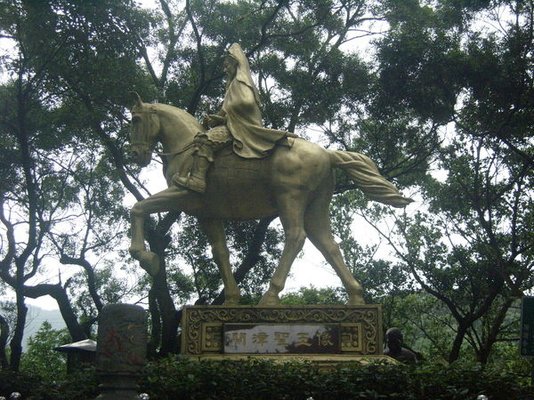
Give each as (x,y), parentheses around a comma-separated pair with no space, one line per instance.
(243,69)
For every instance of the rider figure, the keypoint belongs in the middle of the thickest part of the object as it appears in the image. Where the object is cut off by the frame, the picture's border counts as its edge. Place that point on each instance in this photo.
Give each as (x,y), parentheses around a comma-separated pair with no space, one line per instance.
(239,122)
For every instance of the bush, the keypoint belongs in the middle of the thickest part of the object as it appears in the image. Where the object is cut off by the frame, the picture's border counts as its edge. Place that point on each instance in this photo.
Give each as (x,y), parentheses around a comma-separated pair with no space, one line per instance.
(78,386)
(180,378)
(259,379)
(40,359)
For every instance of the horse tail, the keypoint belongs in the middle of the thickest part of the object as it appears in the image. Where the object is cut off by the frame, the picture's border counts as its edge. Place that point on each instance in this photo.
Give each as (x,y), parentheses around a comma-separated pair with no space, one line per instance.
(363,171)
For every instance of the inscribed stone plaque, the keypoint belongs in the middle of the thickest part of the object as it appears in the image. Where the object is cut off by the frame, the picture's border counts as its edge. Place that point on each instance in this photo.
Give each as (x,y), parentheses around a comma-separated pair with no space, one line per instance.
(358,329)
(281,338)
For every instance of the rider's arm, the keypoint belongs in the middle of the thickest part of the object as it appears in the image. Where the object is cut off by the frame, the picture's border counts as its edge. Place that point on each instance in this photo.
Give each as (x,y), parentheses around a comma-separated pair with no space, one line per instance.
(213,120)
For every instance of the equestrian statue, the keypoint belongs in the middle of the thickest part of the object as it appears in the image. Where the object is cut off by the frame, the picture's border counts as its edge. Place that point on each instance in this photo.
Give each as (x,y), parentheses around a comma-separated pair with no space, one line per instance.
(231,167)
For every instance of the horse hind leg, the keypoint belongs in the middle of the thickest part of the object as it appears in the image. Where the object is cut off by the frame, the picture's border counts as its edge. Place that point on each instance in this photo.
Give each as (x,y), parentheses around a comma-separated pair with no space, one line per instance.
(317,225)
(214,230)
(291,216)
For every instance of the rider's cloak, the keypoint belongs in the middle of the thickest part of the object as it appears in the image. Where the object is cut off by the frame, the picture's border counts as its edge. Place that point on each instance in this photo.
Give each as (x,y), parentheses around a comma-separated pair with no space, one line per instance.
(243,116)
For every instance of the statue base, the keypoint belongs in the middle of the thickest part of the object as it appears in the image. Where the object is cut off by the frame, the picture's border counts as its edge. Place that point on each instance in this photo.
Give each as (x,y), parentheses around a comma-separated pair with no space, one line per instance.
(324,334)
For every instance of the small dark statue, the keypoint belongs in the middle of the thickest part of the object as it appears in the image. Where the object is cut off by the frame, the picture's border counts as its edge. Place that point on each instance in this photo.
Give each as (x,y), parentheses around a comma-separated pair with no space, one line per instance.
(394,347)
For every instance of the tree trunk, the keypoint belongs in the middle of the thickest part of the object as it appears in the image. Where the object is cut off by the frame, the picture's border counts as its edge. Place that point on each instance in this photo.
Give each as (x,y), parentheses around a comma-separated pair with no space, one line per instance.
(485,349)
(454,354)
(167,311)
(4,334)
(58,293)
(158,242)
(155,322)
(483,354)
(75,329)
(16,341)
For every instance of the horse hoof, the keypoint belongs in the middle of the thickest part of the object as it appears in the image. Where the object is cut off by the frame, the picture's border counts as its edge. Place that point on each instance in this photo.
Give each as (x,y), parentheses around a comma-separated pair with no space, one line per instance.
(149,262)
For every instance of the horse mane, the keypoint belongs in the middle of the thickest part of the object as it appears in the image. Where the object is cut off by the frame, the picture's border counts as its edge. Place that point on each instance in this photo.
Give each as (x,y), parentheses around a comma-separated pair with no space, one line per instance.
(173,110)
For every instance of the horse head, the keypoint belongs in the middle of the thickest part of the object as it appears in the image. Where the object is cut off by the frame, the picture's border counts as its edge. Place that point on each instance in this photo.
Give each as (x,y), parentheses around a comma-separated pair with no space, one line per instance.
(144,132)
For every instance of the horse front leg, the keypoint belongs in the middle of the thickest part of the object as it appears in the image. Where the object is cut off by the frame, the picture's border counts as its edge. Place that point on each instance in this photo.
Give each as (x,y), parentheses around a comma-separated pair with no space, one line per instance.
(214,230)
(166,200)
(148,260)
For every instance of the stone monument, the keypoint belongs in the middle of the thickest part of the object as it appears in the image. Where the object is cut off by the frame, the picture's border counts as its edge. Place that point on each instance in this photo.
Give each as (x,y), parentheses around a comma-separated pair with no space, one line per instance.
(121,350)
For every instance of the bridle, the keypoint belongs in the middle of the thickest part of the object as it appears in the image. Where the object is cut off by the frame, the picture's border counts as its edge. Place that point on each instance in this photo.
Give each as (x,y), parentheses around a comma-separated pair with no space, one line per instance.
(151,110)
(143,128)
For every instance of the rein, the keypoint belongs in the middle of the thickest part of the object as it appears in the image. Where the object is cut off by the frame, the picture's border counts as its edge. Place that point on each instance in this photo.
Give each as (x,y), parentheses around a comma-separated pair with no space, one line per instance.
(174,153)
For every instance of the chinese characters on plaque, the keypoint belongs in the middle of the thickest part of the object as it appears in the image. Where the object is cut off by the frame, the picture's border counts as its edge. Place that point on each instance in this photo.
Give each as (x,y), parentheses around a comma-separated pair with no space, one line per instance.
(208,331)
(281,338)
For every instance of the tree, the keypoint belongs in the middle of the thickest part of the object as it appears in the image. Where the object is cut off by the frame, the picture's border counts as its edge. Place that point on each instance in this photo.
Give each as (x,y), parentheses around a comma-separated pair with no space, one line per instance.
(41,359)
(47,186)
(470,249)
(30,196)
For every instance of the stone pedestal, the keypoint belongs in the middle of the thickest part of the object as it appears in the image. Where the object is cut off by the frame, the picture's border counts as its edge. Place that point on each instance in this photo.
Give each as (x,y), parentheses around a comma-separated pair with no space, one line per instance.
(325,333)
(121,350)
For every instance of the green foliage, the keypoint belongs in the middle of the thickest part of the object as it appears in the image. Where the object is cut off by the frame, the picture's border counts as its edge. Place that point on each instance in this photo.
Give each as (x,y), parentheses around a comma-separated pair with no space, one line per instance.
(267,380)
(40,359)
(420,62)
(426,324)
(170,379)
(312,295)
(505,357)
(182,379)
(77,386)
(111,290)
(177,378)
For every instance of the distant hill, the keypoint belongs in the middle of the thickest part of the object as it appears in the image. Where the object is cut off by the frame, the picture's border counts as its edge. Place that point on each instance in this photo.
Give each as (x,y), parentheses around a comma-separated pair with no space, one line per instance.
(36,317)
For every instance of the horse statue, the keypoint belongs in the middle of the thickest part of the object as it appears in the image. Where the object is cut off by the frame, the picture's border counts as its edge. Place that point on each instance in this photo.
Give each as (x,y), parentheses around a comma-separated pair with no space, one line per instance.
(295,183)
